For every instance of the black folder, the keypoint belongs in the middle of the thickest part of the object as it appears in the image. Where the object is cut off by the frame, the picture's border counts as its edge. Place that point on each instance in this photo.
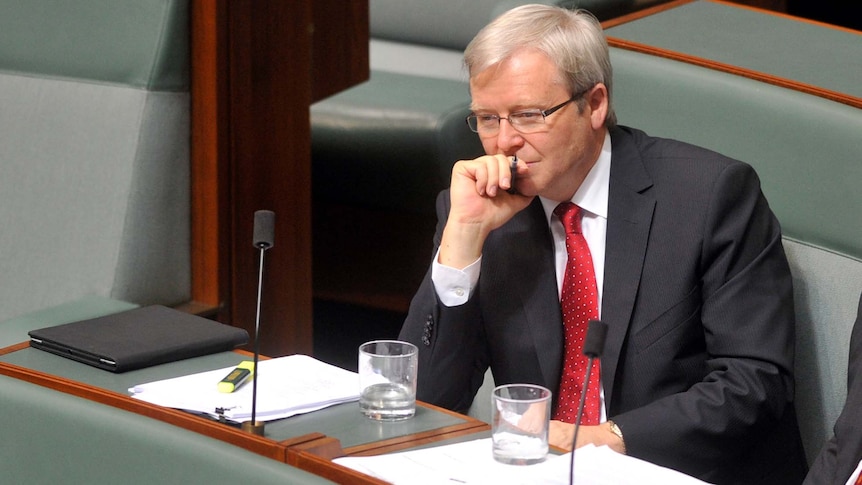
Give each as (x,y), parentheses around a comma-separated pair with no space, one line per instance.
(138,338)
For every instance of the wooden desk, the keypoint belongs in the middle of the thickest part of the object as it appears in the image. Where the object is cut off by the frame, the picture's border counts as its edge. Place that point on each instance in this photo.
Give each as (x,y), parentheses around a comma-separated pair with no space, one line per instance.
(307,441)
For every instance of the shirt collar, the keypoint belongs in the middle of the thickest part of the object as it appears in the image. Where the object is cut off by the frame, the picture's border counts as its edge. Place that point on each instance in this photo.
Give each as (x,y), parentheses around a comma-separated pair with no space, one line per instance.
(592,195)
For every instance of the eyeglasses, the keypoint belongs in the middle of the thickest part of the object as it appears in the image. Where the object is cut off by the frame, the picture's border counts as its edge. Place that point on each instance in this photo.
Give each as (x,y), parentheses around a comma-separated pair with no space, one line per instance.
(527,121)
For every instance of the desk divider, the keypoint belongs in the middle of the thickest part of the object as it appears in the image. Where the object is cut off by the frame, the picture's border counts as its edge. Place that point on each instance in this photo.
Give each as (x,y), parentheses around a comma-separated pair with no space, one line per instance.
(316,457)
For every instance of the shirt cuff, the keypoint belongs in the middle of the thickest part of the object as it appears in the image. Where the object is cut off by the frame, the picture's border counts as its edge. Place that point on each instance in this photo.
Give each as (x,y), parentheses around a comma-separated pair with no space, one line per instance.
(454,286)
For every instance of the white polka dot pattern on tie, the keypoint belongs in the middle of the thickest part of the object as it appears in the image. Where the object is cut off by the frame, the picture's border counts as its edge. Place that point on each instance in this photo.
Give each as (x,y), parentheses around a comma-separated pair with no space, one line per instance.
(579,303)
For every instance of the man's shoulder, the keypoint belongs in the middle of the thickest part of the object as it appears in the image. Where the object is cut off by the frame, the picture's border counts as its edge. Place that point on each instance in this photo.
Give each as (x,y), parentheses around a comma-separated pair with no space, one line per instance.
(658,154)
(660,147)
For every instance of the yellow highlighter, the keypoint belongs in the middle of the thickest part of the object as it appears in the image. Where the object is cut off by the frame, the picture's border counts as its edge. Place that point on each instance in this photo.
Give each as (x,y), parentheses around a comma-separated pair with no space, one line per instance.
(237,377)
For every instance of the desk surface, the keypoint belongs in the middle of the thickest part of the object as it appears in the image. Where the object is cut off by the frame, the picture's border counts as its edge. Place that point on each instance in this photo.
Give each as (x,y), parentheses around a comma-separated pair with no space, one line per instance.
(780,46)
(15,330)
(307,441)
(343,421)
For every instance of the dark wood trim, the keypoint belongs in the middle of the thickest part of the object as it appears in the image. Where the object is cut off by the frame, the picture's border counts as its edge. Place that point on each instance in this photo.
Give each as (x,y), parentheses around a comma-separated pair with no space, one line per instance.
(316,458)
(207,151)
(14,348)
(339,45)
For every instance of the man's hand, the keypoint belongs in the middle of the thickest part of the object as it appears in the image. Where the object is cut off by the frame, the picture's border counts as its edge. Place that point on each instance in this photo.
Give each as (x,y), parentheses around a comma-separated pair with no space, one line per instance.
(560,434)
(480,204)
(534,418)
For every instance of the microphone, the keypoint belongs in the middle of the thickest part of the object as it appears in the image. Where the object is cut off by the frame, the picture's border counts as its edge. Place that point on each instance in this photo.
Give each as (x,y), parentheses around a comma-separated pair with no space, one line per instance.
(264,229)
(263,237)
(594,343)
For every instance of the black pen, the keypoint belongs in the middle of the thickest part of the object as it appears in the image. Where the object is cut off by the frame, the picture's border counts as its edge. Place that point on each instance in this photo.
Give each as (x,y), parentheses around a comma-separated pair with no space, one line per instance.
(513,173)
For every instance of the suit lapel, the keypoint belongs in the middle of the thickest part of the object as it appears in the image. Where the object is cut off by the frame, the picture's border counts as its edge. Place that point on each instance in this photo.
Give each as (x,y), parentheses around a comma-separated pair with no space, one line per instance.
(630,214)
(538,292)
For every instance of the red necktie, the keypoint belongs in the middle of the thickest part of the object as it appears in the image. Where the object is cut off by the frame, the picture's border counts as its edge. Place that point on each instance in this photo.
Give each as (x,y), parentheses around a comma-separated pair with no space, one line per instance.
(579,301)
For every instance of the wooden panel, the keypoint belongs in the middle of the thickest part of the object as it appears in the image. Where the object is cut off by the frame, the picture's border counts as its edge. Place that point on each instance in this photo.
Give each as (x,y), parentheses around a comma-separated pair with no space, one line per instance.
(208,148)
(340,29)
(269,49)
(253,67)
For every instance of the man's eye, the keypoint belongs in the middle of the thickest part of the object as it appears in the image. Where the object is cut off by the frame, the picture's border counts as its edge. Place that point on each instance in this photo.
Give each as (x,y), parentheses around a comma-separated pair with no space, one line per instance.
(527,116)
(487,118)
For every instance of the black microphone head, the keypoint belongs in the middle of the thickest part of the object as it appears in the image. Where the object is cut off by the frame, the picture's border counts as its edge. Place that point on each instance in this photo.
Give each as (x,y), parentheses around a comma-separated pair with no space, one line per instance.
(594,342)
(264,229)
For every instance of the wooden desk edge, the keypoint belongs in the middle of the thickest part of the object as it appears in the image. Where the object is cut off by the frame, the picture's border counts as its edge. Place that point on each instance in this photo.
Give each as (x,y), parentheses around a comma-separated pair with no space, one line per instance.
(261,445)
(316,458)
(312,452)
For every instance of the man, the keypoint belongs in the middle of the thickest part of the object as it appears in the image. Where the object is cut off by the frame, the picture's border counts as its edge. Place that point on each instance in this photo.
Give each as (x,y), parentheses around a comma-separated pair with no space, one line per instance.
(840,460)
(690,275)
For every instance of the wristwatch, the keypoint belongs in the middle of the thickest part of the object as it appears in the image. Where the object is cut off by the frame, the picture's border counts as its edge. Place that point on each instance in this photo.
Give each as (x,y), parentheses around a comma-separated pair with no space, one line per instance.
(617,431)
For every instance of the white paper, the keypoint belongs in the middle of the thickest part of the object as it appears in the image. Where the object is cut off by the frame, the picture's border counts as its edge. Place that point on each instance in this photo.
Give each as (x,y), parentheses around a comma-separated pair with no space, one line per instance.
(471,463)
(286,386)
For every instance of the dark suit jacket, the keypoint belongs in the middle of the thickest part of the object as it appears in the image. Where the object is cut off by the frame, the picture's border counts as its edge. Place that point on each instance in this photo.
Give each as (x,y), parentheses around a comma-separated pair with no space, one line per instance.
(697,368)
(841,454)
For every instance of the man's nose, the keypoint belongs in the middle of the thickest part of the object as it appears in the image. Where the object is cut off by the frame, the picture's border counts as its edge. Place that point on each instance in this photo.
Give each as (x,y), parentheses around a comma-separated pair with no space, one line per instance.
(508,136)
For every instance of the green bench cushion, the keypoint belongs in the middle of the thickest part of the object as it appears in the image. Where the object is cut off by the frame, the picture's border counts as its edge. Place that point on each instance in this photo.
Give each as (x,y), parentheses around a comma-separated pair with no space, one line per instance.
(94,152)
(140,43)
(806,149)
(391,141)
(53,437)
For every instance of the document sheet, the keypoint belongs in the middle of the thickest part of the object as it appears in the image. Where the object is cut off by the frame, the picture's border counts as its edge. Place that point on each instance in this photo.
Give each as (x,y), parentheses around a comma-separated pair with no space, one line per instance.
(471,463)
(286,386)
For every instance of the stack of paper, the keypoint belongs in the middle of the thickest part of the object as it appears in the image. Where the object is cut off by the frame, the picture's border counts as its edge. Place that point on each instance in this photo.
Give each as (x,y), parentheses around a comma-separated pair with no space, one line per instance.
(286,386)
(471,462)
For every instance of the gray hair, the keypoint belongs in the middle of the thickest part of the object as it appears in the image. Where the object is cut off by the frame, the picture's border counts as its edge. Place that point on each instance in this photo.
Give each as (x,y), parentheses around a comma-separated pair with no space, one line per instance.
(572,39)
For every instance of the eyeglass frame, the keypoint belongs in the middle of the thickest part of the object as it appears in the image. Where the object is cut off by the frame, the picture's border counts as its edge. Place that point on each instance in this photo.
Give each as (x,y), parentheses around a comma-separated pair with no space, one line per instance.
(544,113)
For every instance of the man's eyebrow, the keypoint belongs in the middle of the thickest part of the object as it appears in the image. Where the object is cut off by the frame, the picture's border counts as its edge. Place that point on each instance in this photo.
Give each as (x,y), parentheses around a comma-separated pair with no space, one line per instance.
(513,109)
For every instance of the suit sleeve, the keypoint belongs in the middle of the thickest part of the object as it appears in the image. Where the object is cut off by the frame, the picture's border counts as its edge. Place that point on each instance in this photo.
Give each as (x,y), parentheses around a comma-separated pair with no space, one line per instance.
(452,355)
(746,317)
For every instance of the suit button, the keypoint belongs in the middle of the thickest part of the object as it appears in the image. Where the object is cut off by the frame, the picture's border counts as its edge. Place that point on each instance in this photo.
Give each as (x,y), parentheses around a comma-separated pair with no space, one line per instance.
(426,331)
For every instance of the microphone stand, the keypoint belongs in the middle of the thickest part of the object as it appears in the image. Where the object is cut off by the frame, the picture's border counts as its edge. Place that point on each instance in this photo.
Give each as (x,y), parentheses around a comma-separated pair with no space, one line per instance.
(263,239)
(594,343)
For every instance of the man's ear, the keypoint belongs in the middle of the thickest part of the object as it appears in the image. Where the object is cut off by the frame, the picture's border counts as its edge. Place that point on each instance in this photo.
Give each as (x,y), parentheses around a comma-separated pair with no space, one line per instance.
(598,105)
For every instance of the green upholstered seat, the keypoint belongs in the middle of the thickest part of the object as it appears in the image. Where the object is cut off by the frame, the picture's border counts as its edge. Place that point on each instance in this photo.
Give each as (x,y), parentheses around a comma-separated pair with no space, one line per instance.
(391,141)
(94,152)
(806,149)
(53,437)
